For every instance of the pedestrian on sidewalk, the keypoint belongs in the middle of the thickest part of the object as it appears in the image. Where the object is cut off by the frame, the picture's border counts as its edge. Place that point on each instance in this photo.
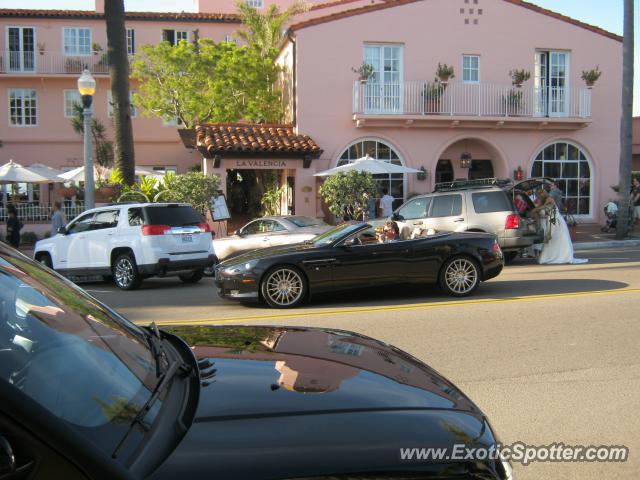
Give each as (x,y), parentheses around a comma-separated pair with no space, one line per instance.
(13,227)
(58,220)
(635,198)
(386,203)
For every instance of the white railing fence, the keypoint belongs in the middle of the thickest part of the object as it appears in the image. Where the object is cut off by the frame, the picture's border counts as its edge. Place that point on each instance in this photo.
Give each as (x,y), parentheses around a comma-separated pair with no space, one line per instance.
(465,99)
(29,62)
(41,212)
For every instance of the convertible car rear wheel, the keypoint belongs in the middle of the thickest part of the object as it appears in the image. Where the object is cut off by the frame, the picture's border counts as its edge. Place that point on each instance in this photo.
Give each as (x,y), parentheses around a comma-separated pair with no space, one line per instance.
(283,287)
(460,276)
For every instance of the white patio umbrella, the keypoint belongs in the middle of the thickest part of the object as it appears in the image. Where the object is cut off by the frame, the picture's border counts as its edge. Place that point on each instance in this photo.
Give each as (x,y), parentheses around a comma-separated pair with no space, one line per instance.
(77,174)
(15,173)
(368,164)
(46,171)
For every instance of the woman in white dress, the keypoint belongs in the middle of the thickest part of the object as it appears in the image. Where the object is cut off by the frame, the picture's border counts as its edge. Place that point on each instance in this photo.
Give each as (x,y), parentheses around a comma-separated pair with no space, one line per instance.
(558,248)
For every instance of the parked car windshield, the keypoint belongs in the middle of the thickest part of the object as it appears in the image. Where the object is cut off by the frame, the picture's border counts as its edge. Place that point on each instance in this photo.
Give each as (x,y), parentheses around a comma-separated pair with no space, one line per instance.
(80,361)
(335,234)
(306,222)
(172,215)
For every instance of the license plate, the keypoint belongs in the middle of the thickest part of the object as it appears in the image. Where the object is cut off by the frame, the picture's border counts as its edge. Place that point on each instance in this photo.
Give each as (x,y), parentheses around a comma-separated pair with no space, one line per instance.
(187,238)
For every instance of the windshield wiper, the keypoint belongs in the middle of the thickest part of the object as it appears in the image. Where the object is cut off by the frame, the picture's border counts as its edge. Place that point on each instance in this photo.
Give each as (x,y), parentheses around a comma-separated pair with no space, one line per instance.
(155,344)
(171,372)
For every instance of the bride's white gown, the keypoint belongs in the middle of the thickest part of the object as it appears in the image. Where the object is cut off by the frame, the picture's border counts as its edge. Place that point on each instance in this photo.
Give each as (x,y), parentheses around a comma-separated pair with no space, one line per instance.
(559,249)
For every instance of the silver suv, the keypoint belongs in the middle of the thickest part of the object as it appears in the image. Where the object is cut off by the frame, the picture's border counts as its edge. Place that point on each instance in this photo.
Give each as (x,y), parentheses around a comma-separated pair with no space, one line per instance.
(471,206)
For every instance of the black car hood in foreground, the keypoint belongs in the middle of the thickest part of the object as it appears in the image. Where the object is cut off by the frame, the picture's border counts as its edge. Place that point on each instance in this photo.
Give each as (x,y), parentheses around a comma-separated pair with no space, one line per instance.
(290,402)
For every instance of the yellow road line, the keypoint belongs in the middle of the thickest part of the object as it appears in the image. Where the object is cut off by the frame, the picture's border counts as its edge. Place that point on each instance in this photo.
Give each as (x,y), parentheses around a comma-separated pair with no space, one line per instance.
(390,308)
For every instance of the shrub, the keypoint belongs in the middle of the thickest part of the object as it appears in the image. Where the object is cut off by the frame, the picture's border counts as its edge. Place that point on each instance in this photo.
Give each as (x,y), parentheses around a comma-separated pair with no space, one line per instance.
(347,194)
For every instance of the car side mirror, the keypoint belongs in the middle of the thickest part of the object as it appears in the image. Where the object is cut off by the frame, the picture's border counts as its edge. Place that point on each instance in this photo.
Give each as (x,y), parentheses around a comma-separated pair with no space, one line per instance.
(239,232)
(7,458)
(62,230)
(396,216)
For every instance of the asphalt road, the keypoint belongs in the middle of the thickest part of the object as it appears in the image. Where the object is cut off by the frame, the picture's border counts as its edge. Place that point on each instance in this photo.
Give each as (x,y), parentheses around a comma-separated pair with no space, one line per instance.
(549,353)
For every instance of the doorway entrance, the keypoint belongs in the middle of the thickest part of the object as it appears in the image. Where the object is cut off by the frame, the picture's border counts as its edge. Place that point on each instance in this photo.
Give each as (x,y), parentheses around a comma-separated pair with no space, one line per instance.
(481,169)
(255,193)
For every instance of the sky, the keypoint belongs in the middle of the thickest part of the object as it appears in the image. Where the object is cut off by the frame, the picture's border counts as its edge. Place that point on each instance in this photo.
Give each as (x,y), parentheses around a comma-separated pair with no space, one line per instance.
(607,14)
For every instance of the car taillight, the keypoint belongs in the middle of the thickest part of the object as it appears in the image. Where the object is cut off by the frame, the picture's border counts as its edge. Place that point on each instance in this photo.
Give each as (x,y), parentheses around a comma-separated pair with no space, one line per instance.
(155,229)
(513,222)
(204,227)
(496,247)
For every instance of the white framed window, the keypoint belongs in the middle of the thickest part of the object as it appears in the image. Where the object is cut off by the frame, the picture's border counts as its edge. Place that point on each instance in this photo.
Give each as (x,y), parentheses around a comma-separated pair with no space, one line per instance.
(71,98)
(23,107)
(76,41)
(131,41)
(395,183)
(255,3)
(174,36)
(471,68)
(110,104)
(568,164)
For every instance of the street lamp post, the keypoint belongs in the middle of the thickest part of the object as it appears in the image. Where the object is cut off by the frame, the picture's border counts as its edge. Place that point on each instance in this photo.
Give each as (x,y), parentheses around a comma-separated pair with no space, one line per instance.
(87,87)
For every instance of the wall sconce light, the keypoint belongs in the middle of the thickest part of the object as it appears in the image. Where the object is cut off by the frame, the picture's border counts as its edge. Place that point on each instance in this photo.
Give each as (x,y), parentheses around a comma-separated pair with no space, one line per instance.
(518,174)
(422,174)
(465,157)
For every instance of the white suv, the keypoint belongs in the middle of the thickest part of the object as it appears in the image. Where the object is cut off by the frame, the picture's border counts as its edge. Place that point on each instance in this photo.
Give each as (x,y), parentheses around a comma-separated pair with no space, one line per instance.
(130,242)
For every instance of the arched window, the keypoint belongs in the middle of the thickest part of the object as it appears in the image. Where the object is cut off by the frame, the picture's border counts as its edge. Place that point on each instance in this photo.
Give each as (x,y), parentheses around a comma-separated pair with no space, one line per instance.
(568,165)
(395,182)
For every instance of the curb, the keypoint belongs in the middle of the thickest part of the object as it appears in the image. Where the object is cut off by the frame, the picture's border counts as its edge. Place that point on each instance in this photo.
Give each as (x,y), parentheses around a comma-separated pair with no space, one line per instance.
(606,244)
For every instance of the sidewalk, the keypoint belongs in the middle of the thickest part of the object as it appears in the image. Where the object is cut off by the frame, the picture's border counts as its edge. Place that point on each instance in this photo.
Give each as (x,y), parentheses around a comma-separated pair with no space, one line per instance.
(589,237)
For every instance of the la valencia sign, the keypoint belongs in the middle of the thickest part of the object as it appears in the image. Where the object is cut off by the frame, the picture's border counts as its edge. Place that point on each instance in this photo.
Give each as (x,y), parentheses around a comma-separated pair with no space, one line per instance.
(261,164)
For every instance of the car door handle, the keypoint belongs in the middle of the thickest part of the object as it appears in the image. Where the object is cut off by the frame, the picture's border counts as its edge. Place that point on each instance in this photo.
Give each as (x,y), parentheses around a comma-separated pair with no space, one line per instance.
(459,219)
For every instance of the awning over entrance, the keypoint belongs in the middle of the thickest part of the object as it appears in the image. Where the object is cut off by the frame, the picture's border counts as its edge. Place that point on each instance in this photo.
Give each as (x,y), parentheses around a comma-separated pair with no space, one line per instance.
(250,140)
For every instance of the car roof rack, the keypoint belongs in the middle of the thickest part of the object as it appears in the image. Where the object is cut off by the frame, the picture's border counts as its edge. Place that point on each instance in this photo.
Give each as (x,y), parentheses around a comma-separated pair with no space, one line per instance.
(472,184)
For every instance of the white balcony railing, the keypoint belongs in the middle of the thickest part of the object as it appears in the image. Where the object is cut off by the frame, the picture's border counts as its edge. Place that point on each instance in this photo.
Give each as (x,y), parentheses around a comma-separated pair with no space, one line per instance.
(28,62)
(465,99)
(41,212)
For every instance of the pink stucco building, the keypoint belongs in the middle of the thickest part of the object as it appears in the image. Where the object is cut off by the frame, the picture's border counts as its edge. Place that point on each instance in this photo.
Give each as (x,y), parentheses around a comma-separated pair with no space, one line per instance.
(551,125)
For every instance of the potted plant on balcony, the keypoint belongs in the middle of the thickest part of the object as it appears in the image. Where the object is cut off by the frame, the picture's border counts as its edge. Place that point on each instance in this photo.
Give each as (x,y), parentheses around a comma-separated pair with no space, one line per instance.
(590,77)
(41,47)
(432,94)
(513,102)
(96,48)
(444,72)
(73,65)
(518,77)
(102,65)
(364,71)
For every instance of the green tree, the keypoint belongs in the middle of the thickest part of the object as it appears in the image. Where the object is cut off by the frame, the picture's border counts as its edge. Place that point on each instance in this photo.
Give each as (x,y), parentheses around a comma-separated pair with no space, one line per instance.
(194,187)
(103,147)
(347,193)
(119,73)
(264,30)
(206,82)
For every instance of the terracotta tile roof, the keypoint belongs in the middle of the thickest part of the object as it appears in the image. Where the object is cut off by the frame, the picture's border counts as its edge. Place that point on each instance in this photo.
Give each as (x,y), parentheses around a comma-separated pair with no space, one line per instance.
(148,16)
(241,139)
(396,3)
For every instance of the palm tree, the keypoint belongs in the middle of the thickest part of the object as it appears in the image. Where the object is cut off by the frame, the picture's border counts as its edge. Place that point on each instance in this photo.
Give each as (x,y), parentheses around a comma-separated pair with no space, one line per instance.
(102,146)
(264,31)
(119,73)
(625,122)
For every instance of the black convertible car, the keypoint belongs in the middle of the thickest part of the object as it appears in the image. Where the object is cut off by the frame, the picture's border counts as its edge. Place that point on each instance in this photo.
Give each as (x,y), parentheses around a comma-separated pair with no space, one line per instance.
(350,256)
(86,394)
